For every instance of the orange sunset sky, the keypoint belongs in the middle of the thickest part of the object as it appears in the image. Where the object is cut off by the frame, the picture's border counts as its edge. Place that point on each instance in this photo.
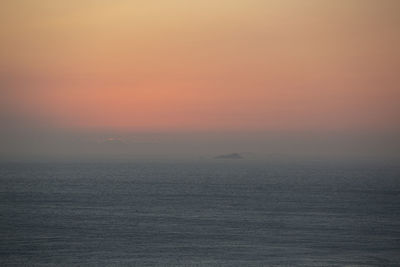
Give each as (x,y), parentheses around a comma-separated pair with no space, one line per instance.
(200,66)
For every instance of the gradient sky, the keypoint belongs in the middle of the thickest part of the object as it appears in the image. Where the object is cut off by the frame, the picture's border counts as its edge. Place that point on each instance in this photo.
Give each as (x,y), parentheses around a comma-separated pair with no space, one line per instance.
(244,66)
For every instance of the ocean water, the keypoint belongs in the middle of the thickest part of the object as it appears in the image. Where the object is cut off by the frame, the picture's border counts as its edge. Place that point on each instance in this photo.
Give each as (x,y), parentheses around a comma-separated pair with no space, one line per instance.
(199,214)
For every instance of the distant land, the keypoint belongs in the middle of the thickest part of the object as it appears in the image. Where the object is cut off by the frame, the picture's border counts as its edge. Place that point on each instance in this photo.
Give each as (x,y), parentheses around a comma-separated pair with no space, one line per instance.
(230,156)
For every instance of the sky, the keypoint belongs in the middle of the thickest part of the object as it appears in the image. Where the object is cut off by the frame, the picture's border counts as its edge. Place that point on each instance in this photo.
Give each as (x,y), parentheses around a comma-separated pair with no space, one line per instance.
(119,77)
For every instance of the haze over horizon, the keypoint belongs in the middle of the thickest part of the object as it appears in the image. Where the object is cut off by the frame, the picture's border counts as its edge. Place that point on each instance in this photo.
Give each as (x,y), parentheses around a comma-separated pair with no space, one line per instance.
(95,79)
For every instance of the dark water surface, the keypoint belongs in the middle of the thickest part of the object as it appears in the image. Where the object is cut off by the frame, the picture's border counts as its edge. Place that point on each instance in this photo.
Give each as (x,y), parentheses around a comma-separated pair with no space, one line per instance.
(199,214)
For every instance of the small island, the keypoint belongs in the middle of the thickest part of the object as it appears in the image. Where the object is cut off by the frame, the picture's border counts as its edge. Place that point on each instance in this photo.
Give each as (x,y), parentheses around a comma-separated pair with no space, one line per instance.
(230,156)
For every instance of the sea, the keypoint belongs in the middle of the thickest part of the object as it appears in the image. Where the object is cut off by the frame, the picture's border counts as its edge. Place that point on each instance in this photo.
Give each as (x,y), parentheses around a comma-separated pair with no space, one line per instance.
(200,213)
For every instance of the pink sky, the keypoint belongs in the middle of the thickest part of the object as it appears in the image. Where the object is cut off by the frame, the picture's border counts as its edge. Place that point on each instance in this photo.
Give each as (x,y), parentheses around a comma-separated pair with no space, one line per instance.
(253,65)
